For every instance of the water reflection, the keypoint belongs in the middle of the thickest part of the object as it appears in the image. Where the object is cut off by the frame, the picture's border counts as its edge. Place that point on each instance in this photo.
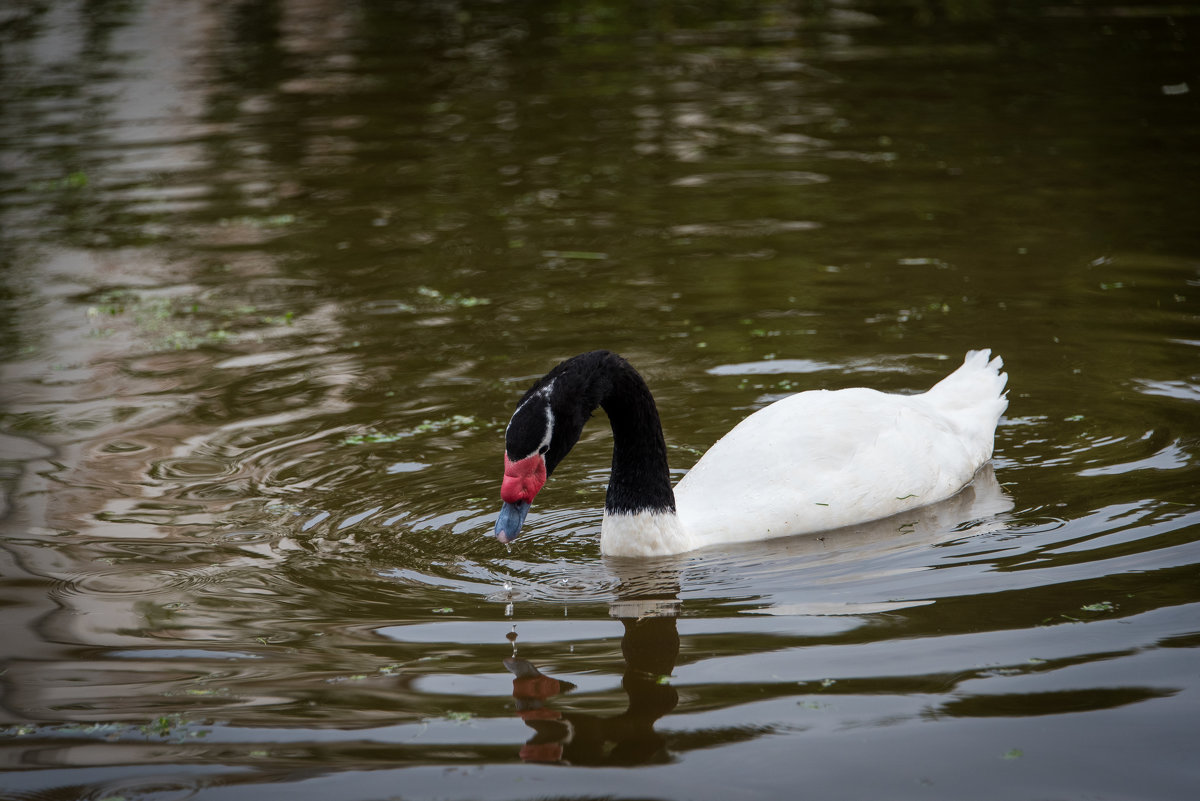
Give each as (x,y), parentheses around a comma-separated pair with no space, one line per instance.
(649,646)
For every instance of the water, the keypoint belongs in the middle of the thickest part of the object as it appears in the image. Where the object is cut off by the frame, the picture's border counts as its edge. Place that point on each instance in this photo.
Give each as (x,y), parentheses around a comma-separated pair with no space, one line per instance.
(276,274)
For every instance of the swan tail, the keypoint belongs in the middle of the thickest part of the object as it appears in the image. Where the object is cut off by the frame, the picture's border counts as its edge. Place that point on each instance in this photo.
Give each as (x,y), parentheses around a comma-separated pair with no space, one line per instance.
(972,398)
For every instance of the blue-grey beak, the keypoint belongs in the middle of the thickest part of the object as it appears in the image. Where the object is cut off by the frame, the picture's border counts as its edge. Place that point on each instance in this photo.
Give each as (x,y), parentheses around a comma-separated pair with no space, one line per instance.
(508,524)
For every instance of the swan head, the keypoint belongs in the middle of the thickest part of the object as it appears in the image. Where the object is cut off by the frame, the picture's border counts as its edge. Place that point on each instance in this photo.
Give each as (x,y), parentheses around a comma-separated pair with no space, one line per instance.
(531,453)
(549,421)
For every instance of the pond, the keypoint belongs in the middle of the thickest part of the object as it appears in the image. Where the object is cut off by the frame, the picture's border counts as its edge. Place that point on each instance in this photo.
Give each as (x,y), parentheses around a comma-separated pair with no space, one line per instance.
(277,273)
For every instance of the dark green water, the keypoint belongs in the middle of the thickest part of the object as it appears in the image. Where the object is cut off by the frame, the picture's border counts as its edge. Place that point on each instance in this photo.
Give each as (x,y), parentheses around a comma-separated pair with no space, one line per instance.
(276,273)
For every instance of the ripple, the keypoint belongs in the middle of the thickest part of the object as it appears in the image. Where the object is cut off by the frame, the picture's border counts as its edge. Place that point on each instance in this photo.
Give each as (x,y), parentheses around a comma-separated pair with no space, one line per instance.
(145,568)
(244,537)
(1179,390)
(135,583)
(189,468)
(316,519)
(171,363)
(124,446)
(772,367)
(267,358)
(557,562)
(752,178)
(559,581)
(144,789)
(183,653)
(823,608)
(219,491)
(783,366)
(743,228)
(407,467)
(1032,524)
(1172,457)
(1098,453)
(359,517)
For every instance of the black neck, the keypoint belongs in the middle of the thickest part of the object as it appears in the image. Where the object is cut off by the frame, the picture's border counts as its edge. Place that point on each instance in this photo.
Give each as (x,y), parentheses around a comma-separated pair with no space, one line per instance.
(640,480)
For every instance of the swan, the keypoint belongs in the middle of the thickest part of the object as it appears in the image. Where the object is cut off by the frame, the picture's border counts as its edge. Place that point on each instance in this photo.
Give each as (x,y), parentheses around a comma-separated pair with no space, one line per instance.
(812,461)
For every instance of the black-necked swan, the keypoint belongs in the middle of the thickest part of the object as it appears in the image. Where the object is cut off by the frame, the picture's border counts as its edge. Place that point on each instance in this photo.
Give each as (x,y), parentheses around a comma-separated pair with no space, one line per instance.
(812,461)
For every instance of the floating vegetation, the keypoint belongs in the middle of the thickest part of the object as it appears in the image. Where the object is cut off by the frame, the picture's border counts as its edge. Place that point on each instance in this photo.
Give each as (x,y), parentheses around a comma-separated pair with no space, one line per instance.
(1102,606)
(1099,606)
(455,422)
(392,669)
(168,323)
(576,255)
(428,299)
(463,301)
(271,221)
(285,319)
(354,677)
(175,323)
(174,727)
(74,180)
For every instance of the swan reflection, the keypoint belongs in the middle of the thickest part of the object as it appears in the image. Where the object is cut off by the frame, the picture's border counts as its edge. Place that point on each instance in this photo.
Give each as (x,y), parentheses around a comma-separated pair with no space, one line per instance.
(650,646)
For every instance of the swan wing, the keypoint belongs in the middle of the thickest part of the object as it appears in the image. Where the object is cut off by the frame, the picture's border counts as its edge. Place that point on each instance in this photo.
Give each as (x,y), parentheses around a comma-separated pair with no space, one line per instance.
(824,459)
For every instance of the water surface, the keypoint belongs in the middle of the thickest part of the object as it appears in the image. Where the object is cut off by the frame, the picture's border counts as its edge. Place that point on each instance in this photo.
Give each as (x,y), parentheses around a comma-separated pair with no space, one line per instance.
(275,275)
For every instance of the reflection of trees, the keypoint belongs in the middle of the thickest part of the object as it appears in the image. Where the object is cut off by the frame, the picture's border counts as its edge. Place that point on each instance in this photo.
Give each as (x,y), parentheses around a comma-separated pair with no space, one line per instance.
(434,144)
(52,123)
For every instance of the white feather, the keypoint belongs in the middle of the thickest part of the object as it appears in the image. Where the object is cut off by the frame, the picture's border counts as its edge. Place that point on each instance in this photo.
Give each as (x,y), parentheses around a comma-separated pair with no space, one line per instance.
(825,459)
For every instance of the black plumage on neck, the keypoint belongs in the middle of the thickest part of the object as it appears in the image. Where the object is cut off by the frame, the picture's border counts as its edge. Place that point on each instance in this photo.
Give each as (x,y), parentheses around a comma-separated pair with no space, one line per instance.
(641,479)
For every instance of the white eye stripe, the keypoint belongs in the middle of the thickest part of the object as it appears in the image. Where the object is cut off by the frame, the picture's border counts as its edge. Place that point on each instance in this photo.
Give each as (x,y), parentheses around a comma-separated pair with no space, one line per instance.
(544,445)
(544,392)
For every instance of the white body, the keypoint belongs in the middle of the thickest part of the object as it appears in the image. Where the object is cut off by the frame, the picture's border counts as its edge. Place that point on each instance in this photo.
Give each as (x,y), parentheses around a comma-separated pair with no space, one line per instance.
(825,459)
